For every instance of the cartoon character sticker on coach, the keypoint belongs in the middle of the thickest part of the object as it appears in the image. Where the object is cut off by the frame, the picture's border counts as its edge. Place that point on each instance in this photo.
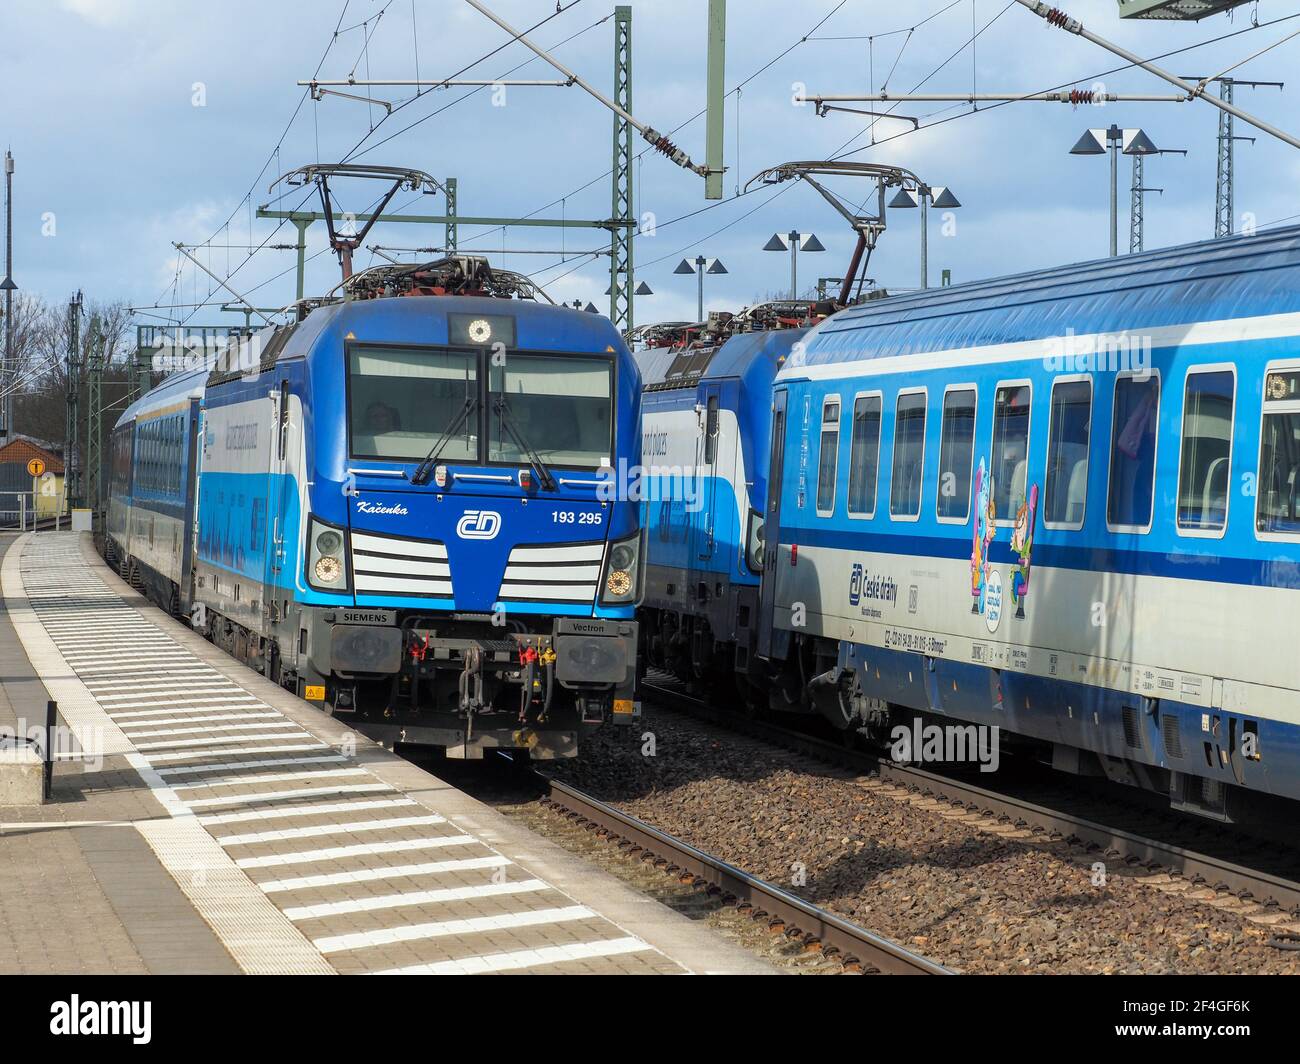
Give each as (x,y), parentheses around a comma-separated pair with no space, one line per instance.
(982,538)
(1022,544)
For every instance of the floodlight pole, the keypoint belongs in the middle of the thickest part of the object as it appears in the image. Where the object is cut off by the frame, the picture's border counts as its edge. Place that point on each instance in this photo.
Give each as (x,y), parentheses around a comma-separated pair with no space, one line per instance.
(1114,146)
(6,363)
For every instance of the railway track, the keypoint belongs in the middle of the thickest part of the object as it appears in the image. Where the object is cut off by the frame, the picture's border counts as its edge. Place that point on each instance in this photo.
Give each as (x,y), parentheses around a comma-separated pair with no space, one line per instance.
(1215,870)
(856,947)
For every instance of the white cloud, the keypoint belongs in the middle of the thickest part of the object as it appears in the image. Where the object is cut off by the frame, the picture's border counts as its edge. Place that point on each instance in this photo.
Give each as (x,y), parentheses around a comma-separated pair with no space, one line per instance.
(102,12)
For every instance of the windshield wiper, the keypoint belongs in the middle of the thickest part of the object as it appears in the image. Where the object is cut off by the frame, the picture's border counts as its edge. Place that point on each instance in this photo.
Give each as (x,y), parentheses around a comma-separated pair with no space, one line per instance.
(534,459)
(422,471)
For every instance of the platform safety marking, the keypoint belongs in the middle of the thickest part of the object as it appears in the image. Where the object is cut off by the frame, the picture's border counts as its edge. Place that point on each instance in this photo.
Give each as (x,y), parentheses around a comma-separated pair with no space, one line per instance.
(530,958)
(442,928)
(133,682)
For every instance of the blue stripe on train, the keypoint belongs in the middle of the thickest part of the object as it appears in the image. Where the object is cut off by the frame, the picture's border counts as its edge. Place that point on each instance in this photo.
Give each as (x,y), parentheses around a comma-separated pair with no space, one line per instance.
(1256,572)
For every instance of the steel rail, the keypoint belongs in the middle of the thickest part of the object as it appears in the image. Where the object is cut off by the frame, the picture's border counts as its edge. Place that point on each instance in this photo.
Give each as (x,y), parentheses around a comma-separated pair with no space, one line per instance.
(854,944)
(1217,872)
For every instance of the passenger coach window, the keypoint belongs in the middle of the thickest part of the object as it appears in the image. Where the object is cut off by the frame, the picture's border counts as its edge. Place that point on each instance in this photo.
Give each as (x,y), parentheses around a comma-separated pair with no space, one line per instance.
(1133,453)
(1067,455)
(1207,451)
(864,455)
(1278,503)
(909,455)
(402,400)
(1010,449)
(956,454)
(828,460)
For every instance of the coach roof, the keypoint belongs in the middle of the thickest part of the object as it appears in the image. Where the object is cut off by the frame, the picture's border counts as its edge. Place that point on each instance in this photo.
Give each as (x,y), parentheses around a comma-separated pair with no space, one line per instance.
(1236,277)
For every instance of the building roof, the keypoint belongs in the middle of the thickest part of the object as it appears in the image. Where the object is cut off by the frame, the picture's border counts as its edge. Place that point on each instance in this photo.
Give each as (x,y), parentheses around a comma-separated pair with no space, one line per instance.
(20,451)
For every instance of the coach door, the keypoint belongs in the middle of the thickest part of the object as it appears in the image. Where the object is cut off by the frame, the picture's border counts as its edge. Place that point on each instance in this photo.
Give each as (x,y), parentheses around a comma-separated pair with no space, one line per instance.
(188,527)
(279,488)
(772,526)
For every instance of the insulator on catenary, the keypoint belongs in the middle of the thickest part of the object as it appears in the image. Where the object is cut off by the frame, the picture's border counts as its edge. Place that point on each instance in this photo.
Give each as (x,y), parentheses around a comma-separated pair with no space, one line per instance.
(1057,17)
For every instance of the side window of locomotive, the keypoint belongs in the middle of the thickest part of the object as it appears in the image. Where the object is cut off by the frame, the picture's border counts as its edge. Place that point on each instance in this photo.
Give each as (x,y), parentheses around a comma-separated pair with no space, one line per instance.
(864,456)
(1203,467)
(1068,434)
(956,454)
(1010,458)
(1277,504)
(711,431)
(829,458)
(1130,496)
(909,456)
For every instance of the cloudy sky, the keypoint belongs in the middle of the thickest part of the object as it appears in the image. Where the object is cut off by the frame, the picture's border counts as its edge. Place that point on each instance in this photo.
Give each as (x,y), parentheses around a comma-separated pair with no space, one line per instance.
(135,123)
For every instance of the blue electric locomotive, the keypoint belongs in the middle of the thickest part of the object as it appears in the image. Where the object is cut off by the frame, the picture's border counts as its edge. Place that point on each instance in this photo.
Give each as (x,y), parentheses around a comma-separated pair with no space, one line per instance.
(400,507)
(706,416)
(1064,504)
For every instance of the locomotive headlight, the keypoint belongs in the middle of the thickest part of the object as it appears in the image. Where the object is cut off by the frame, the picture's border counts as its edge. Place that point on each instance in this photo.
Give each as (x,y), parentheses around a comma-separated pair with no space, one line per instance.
(756,542)
(328,570)
(326,556)
(479,330)
(622,572)
(622,557)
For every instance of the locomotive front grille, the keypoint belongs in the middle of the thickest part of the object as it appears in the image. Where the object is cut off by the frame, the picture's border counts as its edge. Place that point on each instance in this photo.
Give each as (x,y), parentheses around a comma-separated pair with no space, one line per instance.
(561,573)
(386,565)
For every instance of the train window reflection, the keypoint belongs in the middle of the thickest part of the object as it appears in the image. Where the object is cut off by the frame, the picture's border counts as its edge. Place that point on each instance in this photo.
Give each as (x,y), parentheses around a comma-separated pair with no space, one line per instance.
(1133,453)
(828,461)
(909,456)
(560,407)
(402,401)
(1010,450)
(1207,450)
(1278,501)
(864,456)
(956,455)
(1067,455)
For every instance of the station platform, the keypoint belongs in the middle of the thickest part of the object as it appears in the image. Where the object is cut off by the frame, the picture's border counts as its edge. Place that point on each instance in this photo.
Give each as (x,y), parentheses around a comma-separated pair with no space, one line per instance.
(203,820)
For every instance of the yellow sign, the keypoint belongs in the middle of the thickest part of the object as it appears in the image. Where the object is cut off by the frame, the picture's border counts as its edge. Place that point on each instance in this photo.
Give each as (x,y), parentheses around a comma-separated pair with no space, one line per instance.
(36,467)
(314,693)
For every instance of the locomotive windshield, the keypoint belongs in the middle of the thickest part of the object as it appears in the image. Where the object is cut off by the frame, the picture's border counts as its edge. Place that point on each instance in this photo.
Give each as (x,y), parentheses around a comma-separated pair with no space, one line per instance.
(402,400)
(560,408)
(556,408)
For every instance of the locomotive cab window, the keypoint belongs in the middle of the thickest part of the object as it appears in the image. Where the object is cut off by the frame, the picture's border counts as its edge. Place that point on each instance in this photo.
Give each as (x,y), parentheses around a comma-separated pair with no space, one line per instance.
(1277,504)
(402,400)
(864,456)
(559,407)
(956,455)
(1203,468)
(1068,433)
(1010,458)
(909,457)
(1131,493)
(711,431)
(828,460)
